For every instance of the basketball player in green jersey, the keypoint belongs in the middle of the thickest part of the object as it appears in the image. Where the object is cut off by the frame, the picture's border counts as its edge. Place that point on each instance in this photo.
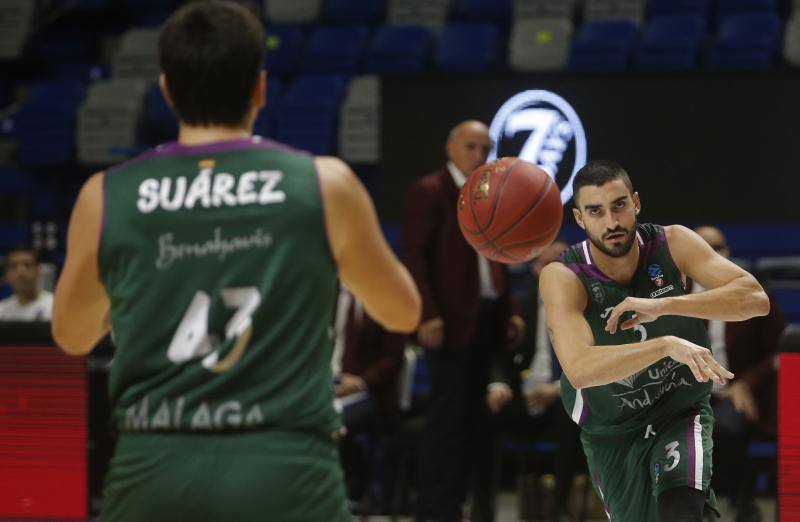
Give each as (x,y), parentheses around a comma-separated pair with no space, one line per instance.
(634,350)
(214,262)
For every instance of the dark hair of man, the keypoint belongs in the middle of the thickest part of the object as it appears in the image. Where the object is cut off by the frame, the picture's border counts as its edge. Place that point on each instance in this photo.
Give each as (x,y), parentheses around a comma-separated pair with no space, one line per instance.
(211,54)
(597,173)
(23,249)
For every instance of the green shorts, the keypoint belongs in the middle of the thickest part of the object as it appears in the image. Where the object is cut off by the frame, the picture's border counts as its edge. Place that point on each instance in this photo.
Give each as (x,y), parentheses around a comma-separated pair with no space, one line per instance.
(265,475)
(630,471)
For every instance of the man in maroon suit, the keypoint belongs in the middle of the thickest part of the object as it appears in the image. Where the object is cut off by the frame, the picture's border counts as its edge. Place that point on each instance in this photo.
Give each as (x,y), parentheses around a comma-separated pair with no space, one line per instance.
(745,408)
(466,321)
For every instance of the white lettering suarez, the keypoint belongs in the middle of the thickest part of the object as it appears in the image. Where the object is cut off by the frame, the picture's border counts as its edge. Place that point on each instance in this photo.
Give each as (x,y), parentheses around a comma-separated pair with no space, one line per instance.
(209,190)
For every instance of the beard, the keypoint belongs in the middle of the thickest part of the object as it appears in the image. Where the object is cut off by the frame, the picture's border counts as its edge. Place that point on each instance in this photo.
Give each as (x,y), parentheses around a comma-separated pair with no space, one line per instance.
(619,248)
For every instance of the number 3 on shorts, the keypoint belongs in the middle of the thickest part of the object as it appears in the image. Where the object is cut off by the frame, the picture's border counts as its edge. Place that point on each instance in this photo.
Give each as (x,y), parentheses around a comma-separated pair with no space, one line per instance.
(672,453)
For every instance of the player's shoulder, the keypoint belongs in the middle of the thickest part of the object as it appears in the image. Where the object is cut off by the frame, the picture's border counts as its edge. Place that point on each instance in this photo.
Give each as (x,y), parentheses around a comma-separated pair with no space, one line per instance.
(678,232)
(559,273)
(559,283)
(334,173)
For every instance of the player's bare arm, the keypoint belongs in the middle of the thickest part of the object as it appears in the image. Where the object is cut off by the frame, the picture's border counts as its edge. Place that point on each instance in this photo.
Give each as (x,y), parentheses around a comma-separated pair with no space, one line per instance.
(80,304)
(366,264)
(587,365)
(732,294)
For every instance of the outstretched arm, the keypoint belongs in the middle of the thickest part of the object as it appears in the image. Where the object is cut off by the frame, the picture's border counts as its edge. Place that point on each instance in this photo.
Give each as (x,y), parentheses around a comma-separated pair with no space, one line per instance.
(732,294)
(81,305)
(366,263)
(587,365)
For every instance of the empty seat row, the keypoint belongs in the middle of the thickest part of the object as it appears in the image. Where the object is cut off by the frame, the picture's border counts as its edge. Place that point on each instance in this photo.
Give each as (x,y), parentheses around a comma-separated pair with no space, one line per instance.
(433,13)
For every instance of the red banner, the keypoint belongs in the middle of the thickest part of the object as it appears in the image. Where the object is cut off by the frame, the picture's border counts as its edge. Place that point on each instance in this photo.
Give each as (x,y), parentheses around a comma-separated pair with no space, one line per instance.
(789,437)
(43,433)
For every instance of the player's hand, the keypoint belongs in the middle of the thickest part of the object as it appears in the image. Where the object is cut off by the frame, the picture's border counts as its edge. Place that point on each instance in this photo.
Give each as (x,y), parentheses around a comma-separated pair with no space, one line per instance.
(742,399)
(497,396)
(698,359)
(349,384)
(431,333)
(543,395)
(644,311)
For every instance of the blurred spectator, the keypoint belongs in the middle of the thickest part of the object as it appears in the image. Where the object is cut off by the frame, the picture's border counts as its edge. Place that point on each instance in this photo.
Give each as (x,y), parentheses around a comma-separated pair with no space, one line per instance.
(745,408)
(366,366)
(466,321)
(533,376)
(29,302)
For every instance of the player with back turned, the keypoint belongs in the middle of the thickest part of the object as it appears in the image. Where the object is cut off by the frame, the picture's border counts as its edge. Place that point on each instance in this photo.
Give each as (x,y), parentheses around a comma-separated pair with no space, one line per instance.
(634,349)
(214,260)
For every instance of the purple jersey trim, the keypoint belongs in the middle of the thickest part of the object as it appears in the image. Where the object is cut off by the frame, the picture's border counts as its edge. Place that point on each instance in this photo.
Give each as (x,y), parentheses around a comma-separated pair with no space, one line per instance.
(178,149)
(691,455)
(584,410)
(324,214)
(589,271)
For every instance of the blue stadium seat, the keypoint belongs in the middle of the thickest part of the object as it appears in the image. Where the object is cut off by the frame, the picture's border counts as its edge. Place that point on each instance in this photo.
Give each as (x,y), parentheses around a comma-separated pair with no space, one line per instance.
(399,49)
(336,50)
(671,42)
(754,241)
(674,7)
(479,10)
(603,45)
(160,123)
(747,41)
(45,125)
(13,180)
(789,301)
(13,234)
(354,11)
(309,112)
(746,6)
(267,122)
(285,48)
(468,47)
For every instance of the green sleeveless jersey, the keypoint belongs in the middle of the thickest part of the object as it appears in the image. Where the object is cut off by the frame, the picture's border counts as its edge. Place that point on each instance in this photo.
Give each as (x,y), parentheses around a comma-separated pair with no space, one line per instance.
(222,288)
(659,391)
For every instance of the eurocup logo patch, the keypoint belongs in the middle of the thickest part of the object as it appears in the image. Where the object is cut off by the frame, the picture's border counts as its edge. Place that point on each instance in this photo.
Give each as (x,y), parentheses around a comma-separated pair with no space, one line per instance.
(541,127)
(656,275)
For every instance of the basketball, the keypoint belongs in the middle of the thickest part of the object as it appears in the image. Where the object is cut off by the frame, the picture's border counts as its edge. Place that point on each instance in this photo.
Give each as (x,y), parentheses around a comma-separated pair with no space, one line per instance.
(509,210)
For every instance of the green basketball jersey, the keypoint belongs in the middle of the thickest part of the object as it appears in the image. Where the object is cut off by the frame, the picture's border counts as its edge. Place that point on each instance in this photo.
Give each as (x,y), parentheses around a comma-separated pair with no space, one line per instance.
(222,288)
(659,391)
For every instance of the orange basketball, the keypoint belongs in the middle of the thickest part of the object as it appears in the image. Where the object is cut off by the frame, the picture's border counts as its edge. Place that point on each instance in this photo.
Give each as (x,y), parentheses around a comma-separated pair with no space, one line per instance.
(509,210)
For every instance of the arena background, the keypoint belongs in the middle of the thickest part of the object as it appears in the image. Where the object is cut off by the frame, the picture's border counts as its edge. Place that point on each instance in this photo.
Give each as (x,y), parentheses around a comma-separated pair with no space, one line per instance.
(702,146)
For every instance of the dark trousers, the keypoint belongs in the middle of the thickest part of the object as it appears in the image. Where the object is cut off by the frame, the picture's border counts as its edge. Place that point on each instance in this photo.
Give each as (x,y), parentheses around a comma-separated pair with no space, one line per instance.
(734,475)
(455,443)
(514,423)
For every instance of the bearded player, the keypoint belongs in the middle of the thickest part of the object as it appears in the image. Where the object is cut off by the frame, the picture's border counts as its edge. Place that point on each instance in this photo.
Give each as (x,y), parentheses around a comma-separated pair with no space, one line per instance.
(632,343)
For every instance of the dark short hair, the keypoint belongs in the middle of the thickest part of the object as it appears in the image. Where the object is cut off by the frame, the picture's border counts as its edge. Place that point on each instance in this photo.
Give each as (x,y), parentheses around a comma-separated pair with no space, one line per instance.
(597,173)
(25,249)
(211,54)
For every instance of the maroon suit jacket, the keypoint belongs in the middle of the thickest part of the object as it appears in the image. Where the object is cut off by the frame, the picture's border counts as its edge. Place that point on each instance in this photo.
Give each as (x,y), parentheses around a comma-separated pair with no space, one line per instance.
(751,347)
(376,356)
(443,264)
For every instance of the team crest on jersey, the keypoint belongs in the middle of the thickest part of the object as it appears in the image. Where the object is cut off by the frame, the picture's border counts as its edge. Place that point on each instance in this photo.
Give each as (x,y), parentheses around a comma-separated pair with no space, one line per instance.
(630,379)
(598,294)
(656,274)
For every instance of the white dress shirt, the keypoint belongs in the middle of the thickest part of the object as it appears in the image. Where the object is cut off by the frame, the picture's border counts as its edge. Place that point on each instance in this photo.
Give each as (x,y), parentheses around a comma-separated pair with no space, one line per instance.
(487,289)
